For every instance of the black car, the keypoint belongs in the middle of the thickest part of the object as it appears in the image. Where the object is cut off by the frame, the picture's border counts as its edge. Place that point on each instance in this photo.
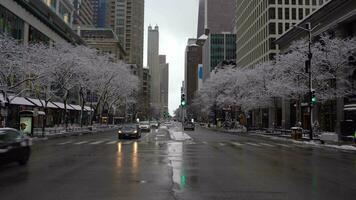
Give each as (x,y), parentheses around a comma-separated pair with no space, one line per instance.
(189,125)
(129,131)
(14,146)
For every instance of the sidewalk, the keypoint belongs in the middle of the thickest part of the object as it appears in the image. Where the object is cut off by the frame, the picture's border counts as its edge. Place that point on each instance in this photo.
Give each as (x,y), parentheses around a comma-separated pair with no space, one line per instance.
(341,145)
(58,132)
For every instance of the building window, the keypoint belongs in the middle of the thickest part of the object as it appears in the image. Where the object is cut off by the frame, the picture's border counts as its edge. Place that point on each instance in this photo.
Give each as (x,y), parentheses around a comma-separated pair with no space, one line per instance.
(36,36)
(294,13)
(300,2)
(300,13)
(307,12)
(272,28)
(286,2)
(286,12)
(272,13)
(293,2)
(286,26)
(314,2)
(307,2)
(11,24)
(280,28)
(280,13)
(272,45)
(272,2)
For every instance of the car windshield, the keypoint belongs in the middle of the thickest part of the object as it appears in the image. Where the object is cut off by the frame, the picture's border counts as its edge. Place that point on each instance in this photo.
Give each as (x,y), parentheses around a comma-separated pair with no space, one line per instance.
(8,135)
(145,123)
(128,127)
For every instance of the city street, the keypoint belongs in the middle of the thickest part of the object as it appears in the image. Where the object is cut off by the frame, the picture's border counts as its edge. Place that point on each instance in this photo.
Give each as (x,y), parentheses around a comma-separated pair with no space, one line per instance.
(210,165)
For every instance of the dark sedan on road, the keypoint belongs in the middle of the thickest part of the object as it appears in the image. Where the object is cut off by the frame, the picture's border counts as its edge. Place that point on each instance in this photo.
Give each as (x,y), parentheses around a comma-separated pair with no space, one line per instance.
(14,146)
(189,126)
(129,131)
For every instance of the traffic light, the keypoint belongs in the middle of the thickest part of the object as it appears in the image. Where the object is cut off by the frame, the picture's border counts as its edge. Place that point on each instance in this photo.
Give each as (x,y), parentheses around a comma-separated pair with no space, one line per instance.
(183,102)
(313,98)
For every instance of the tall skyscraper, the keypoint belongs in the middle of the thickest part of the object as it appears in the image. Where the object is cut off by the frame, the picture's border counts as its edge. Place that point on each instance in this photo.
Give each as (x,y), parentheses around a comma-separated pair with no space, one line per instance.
(155,71)
(164,84)
(259,23)
(126,17)
(83,14)
(99,12)
(216,15)
(193,57)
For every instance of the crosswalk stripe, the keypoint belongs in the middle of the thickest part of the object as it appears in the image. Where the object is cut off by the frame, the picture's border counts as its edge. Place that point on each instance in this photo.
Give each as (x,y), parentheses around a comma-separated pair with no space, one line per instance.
(82,142)
(63,143)
(253,144)
(98,142)
(236,143)
(112,142)
(268,145)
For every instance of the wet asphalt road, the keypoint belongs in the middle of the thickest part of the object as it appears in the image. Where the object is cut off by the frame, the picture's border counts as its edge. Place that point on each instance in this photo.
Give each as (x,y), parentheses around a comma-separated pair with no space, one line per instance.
(211,165)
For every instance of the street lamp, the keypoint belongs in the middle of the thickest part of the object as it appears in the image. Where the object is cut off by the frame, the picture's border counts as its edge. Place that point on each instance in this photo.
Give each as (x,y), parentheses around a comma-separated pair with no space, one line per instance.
(309,29)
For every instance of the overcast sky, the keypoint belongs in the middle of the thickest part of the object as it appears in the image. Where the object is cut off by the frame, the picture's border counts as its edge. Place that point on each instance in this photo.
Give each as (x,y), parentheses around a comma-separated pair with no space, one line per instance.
(177,21)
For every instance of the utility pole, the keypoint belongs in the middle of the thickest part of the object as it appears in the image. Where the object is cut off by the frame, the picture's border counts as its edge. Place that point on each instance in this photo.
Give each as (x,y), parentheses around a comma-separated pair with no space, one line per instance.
(309,29)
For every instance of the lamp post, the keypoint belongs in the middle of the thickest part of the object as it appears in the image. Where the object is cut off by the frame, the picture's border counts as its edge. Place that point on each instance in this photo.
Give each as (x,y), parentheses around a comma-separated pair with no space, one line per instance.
(308,70)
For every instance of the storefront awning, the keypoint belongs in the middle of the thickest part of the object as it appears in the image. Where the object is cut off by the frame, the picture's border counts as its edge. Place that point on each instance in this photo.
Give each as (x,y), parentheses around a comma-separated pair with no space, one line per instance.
(88,108)
(21,101)
(38,103)
(76,107)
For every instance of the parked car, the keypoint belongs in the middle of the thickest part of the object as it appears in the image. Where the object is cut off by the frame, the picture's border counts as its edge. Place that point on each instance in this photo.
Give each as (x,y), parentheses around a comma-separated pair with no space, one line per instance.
(14,146)
(154,124)
(145,126)
(189,126)
(129,131)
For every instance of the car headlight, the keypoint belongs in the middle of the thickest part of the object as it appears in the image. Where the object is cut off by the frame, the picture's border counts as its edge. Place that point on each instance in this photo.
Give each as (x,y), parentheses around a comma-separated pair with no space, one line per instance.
(120,131)
(135,131)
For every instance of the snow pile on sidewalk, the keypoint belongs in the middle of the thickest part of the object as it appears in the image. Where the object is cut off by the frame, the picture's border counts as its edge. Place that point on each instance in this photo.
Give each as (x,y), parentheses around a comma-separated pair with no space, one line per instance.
(179,136)
(342,147)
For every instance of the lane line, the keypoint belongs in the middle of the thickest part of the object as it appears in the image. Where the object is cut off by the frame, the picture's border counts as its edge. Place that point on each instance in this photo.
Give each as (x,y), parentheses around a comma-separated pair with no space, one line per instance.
(268,145)
(98,142)
(112,142)
(253,144)
(222,144)
(204,142)
(236,143)
(63,143)
(82,142)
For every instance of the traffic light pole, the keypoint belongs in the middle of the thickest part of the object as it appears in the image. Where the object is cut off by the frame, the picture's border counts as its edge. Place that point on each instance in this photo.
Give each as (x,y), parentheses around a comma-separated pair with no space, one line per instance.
(309,29)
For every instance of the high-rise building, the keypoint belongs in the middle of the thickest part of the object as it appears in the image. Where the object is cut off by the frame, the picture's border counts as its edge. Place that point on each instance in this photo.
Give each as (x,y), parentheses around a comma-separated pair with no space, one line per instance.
(216,15)
(193,57)
(259,23)
(218,48)
(99,12)
(83,14)
(25,21)
(126,18)
(146,93)
(155,72)
(164,84)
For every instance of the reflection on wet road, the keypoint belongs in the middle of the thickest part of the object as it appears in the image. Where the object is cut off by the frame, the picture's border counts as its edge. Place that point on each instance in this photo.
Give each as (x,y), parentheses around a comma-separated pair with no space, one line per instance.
(195,165)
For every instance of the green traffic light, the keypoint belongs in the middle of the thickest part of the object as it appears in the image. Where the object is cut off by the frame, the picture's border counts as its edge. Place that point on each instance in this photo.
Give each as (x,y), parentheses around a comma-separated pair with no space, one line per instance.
(314,100)
(183,103)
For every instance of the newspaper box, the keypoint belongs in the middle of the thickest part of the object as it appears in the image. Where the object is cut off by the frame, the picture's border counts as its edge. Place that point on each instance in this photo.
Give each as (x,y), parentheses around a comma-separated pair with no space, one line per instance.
(297,133)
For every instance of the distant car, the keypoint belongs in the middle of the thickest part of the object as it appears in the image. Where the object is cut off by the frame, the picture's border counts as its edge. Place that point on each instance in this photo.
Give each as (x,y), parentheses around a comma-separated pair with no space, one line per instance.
(188,126)
(129,131)
(14,146)
(145,126)
(154,124)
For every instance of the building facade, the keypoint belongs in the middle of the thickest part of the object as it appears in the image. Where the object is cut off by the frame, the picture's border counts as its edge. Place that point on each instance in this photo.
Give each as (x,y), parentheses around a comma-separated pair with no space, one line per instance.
(99,12)
(216,15)
(339,19)
(164,84)
(38,20)
(259,23)
(217,48)
(155,72)
(83,14)
(104,40)
(146,93)
(193,57)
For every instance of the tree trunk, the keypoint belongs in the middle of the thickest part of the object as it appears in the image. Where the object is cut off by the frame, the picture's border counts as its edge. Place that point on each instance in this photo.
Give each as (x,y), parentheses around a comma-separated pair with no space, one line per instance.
(82,109)
(44,121)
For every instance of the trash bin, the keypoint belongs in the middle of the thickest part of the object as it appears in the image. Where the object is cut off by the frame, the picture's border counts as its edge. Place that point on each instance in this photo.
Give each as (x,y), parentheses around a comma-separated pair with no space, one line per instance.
(297,133)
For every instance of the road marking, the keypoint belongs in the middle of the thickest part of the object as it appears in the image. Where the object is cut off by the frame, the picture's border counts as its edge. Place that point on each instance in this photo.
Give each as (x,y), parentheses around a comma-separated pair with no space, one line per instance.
(98,142)
(204,142)
(82,142)
(284,145)
(236,143)
(63,143)
(253,144)
(112,142)
(222,144)
(160,135)
(268,145)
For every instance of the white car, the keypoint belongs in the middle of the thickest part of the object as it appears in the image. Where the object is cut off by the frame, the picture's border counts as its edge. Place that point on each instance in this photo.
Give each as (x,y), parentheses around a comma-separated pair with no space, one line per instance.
(145,126)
